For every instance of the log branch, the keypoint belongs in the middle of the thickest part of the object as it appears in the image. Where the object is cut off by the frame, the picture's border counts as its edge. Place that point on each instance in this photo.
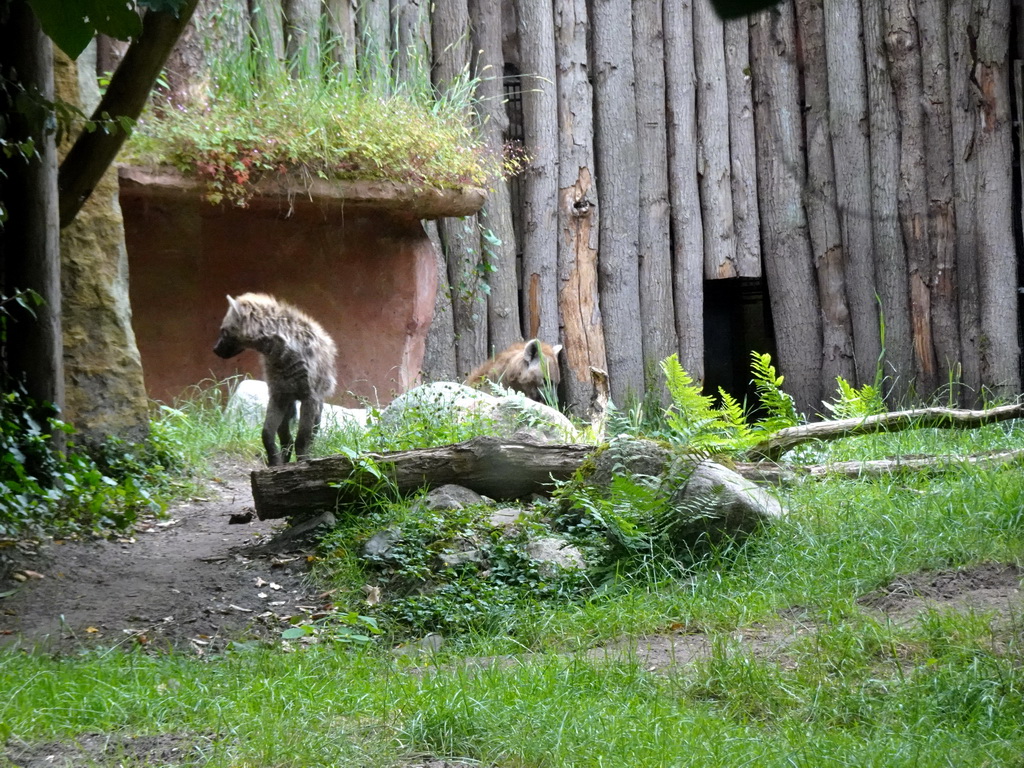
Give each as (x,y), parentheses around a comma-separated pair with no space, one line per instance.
(922,418)
(772,473)
(510,470)
(93,152)
(490,466)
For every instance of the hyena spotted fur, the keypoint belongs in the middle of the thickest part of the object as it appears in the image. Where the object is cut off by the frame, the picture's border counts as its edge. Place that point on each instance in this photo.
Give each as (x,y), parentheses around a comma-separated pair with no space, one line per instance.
(298,364)
(527,367)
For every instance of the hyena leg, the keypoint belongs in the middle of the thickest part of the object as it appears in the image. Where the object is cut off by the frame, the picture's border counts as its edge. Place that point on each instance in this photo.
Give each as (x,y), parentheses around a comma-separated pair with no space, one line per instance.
(309,424)
(284,433)
(280,410)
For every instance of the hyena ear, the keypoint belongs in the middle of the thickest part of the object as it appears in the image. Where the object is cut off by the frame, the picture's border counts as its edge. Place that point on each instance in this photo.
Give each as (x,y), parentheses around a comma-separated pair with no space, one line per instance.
(556,349)
(532,350)
(232,303)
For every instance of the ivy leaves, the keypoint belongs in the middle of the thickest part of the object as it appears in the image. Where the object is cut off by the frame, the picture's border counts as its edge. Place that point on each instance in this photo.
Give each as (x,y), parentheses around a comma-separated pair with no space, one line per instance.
(71,25)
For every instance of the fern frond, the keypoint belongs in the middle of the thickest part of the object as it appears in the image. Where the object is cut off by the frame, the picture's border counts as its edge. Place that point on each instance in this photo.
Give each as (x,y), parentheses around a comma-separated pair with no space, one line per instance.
(779,405)
(689,406)
(734,417)
(852,402)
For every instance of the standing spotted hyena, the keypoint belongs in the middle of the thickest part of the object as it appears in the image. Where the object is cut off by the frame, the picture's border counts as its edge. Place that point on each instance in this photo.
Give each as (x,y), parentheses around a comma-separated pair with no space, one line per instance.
(298,364)
(527,367)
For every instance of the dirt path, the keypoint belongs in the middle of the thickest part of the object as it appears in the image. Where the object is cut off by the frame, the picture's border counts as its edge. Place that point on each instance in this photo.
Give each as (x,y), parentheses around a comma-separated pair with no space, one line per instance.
(195,580)
(191,580)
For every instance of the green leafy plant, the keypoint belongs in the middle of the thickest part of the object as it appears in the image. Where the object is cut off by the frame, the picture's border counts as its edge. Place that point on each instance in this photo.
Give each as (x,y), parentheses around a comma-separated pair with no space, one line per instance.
(332,123)
(693,419)
(449,571)
(852,402)
(779,406)
(341,628)
(98,488)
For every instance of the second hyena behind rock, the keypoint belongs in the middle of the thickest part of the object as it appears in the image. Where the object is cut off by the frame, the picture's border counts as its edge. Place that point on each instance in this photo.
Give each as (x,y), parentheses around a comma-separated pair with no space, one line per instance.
(530,367)
(298,364)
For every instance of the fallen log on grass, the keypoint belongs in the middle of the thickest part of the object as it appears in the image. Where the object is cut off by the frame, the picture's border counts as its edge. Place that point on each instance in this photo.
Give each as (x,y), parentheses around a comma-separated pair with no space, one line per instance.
(500,469)
(922,418)
(510,470)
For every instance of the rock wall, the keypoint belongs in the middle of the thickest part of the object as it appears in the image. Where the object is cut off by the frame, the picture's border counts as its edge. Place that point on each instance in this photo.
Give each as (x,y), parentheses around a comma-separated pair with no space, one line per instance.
(106,395)
(367,274)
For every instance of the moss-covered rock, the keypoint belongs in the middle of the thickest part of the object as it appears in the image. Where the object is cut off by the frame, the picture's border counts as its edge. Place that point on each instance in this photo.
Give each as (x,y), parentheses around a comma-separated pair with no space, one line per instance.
(106,394)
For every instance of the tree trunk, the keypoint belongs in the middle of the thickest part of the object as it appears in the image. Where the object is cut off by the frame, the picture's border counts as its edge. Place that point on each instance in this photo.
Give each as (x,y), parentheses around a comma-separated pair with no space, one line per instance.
(373,38)
(617,167)
(302,37)
(217,30)
(499,240)
(993,199)
(460,238)
(820,202)
(713,164)
(844,49)
(742,151)
(410,22)
(439,351)
(30,237)
(582,327)
(932,36)
(912,193)
(687,229)
(658,331)
(126,95)
(891,259)
(965,100)
(341,32)
(540,180)
(780,179)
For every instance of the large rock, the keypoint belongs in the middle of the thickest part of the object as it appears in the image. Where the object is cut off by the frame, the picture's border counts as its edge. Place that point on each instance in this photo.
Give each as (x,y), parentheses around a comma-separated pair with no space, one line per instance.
(716,501)
(249,398)
(106,395)
(512,414)
(706,498)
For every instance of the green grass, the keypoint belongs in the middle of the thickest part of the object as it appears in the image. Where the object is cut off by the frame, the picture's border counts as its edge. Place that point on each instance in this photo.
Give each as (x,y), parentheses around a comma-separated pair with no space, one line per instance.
(850,689)
(853,695)
(255,119)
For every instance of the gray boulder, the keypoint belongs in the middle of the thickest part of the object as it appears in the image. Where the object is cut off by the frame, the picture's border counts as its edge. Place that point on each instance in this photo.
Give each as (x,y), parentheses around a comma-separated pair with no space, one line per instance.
(510,414)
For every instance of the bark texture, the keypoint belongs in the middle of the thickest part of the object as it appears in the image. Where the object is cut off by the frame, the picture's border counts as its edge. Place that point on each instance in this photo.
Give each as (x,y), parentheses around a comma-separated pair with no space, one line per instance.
(912,192)
(687,226)
(578,213)
(891,260)
(490,466)
(781,176)
(655,253)
(498,240)
(713,161)
(460,238)
(821,204)
(997,262)
(617,167)
(742,149)
(848,118)
(540,180)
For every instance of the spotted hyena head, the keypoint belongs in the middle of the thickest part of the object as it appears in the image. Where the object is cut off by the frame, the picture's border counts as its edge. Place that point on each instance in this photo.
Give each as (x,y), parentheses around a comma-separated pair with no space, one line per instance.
(235,334)
(529,367)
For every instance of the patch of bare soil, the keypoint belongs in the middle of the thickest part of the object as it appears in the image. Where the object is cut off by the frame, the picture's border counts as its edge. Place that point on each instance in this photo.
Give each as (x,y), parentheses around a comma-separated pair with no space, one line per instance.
(193,580)
(992,588)
(106,749)
(682,647)
(986,588)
